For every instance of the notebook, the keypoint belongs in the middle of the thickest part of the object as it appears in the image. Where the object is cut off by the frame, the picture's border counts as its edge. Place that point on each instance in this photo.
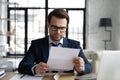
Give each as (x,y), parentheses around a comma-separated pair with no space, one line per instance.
(109,68)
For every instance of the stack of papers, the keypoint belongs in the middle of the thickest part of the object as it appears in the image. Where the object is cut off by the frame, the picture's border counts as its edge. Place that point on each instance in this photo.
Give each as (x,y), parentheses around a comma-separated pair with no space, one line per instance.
(26,77)
(2,73)
(59,76)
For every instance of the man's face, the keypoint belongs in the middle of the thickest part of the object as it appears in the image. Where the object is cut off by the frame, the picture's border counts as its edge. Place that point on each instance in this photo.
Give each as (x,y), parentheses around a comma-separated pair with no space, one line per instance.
(57,28)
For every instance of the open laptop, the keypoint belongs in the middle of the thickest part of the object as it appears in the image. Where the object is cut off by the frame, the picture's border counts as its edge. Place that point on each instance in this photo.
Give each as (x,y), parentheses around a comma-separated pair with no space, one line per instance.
(109,68)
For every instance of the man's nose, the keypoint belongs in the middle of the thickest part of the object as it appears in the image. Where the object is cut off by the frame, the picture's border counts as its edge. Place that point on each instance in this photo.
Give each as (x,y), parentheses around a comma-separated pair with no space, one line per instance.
(58,31)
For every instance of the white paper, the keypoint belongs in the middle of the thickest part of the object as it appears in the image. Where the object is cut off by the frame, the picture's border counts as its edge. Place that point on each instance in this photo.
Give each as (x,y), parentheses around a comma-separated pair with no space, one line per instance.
(61,59)
(25,77)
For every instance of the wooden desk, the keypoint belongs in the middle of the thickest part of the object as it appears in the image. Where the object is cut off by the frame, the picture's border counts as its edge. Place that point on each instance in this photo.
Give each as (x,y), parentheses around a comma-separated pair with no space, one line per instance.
(49,76)
(8,75)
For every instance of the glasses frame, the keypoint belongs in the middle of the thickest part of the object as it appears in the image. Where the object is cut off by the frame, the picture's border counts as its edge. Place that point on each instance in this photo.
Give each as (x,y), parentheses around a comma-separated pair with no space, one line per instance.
(56,28)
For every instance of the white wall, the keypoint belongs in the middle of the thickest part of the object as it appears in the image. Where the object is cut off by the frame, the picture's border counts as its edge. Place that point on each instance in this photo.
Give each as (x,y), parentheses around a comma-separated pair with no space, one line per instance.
(116,30)
(97,9)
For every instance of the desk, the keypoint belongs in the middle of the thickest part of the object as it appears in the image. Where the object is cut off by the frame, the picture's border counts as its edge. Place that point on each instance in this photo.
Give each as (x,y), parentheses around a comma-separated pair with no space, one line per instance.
(8,75)
(49,76)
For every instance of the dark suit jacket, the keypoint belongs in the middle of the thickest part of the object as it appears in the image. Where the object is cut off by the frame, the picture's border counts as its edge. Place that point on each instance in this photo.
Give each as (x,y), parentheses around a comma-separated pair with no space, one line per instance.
(39,52)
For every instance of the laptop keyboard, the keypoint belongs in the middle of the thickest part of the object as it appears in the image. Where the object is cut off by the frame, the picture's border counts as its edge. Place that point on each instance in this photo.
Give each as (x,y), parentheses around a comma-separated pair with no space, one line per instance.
(91,77)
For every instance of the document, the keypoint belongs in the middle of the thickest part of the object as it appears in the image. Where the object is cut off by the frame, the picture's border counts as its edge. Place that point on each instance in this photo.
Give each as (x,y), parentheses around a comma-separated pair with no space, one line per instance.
(26,77)
(61,59)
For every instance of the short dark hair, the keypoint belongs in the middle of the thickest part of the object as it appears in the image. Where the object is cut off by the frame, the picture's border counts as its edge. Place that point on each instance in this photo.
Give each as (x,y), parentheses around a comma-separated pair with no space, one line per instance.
(60,13)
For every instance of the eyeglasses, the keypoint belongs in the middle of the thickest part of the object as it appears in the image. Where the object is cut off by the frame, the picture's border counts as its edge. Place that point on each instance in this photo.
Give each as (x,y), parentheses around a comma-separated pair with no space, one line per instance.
(55,28)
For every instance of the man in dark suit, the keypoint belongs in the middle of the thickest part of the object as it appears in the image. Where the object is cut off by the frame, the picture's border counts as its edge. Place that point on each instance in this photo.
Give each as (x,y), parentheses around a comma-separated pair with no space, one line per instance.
(35,60)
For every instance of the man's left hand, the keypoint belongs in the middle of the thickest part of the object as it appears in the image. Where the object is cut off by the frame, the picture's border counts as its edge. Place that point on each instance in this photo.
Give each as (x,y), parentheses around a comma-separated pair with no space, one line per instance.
(78,64)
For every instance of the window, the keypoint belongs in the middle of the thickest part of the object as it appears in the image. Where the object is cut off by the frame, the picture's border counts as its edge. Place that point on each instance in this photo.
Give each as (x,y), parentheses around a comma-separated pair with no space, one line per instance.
(36,24)
(27,20)
(76,25)
(66,3)
(27,3)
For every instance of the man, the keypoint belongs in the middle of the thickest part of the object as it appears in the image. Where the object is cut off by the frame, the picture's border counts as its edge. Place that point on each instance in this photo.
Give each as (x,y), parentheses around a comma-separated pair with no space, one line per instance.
(35,60)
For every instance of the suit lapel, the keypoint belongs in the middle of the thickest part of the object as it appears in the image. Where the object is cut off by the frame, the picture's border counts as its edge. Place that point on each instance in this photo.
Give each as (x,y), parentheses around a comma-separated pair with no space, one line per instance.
(65,43)
(45,49)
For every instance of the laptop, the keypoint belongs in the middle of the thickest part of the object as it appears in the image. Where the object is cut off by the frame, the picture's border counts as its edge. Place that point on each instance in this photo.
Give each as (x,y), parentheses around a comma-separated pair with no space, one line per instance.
(109,68)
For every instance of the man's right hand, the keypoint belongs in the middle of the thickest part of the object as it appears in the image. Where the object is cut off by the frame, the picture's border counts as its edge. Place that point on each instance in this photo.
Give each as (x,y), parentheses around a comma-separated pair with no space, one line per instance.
(41,68)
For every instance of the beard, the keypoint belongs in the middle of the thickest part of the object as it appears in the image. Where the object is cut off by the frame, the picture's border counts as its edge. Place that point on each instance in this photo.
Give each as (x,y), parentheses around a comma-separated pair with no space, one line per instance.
(56,38)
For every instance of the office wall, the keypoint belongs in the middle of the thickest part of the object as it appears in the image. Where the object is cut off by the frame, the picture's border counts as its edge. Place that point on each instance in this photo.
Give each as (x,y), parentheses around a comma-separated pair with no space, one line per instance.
(96,34)
(116,30)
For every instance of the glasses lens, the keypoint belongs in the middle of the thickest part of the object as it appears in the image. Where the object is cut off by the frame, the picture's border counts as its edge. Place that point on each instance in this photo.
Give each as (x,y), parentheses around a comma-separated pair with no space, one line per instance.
(55,28)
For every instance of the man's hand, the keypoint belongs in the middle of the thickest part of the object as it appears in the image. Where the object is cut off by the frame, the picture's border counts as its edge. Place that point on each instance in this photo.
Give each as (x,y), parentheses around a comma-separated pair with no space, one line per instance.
(41,68)
(78,64)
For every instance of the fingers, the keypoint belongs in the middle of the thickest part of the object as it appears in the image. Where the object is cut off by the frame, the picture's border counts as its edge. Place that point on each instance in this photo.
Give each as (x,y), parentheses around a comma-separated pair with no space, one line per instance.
(41,68)
(79,64)
(43,65)
(78,60)
(79,69)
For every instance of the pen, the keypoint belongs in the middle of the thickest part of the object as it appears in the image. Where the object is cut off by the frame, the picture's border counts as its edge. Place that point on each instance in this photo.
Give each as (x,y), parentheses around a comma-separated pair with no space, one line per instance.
(22,76)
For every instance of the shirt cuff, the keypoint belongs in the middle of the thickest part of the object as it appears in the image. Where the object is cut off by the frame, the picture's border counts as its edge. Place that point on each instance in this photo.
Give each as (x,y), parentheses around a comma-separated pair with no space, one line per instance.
(80,71)
(33,69)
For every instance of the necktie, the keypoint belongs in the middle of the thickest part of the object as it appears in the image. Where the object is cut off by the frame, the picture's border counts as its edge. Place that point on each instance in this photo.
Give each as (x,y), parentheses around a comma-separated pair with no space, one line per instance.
(55,45)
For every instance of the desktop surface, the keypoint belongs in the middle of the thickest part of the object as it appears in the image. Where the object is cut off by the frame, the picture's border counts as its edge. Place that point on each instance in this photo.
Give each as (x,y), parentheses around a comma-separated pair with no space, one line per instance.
(49,76)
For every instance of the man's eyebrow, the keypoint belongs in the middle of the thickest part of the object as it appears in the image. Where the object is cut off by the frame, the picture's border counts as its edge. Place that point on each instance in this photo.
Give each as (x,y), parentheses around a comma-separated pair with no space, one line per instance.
(58,26)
